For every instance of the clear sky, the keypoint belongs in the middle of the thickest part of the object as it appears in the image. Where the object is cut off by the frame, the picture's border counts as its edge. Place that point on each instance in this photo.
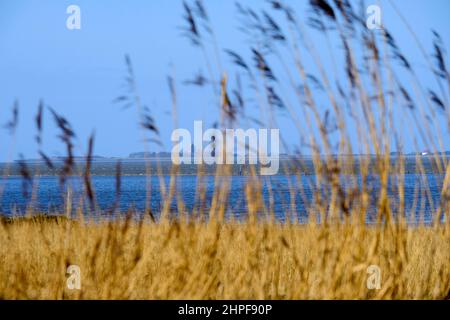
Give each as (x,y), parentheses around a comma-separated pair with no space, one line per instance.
(80,72)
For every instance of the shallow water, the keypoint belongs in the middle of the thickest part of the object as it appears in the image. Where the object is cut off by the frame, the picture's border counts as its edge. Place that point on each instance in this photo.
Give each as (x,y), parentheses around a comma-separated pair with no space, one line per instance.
(285,195)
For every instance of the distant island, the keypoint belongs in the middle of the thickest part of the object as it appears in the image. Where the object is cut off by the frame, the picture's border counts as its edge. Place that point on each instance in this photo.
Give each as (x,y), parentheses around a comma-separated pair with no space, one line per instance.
(164,155)
(144,155)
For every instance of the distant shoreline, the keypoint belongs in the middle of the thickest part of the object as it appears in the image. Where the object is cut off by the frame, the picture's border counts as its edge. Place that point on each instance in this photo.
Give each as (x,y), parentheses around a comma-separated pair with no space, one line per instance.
(139,167)
(167,158)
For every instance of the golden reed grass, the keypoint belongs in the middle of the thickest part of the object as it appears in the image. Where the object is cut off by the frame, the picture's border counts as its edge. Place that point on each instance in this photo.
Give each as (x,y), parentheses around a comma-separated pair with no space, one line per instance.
(164,257)
(129,260)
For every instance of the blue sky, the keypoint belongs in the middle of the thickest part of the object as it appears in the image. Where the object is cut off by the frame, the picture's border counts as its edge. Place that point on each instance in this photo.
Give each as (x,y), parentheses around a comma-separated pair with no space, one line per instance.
(80,72)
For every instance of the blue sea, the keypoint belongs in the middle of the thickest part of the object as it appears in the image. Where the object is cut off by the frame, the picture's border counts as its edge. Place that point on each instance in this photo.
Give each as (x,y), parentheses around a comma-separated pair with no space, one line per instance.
(284,195)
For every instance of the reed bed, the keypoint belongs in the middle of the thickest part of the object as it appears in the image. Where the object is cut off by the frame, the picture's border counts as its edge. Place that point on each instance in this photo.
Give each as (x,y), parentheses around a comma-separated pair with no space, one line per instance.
(129,260)
(369,103)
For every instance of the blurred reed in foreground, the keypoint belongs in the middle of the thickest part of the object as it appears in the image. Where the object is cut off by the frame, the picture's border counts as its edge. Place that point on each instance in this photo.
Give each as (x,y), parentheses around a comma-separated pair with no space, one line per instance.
(130,260)
(187,256)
